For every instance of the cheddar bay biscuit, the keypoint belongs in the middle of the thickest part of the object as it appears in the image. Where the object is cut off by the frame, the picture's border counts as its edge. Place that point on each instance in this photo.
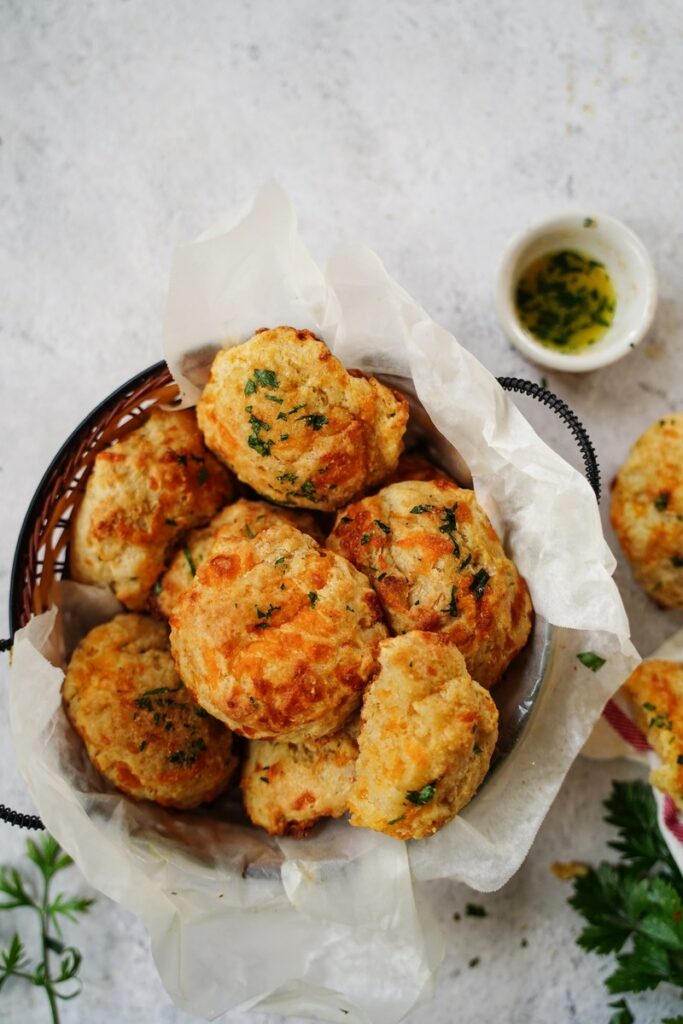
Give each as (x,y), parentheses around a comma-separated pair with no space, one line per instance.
(143,493)
(427,735)
(647,510)
(436,564)
(140,726)
(295,425)
(288,787)
(655,690)
(277,637)
(244,519)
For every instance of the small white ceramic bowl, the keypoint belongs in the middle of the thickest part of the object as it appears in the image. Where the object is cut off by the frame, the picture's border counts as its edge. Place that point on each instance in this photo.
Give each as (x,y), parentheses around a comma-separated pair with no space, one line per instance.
(626,261)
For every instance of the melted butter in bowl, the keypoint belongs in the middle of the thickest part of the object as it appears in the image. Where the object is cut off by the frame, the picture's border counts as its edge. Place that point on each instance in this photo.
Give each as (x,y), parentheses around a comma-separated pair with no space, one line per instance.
(576,292)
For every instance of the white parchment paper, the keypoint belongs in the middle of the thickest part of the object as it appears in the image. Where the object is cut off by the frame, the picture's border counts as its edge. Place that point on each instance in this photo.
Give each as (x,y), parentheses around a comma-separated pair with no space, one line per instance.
(333,927)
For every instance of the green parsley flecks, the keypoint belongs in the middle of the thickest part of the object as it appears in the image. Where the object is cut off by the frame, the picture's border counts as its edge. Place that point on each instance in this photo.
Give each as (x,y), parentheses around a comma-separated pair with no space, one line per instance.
(190,755)
(316,421)
(266,379)
(264,617)
(383,526)
(190,560)
(307,490)
(313,598)
(419,510)
(419,797)
(255,440)
(452,608)
(661,502)
(449,526)
(479,581)
(591,660)
(365,538)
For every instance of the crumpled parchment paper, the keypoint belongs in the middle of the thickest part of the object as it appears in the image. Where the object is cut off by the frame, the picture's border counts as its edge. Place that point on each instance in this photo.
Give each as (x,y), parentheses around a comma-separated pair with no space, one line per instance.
(335,926)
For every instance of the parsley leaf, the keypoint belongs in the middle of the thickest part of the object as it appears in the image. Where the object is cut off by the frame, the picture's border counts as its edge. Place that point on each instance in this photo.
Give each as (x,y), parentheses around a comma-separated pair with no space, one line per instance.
(314,420)
(260,446)
(312,597)
(190,560)
(449,526)
(592,661)
(264,617)
(634,909)
(52,911)
(662,500)
(266,379)
(418,510)
(419,797)
(479,581)
(623,1014)
(383,526)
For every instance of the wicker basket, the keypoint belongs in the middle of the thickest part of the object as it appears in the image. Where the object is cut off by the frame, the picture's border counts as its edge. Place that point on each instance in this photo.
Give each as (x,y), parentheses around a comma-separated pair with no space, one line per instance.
(41,553)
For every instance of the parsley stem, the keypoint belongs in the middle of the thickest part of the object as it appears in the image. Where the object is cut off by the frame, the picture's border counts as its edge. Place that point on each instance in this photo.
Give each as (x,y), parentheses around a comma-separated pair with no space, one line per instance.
(45,934)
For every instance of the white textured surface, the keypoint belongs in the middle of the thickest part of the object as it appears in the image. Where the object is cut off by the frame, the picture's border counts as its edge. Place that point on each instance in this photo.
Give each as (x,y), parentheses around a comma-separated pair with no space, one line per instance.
(429,131)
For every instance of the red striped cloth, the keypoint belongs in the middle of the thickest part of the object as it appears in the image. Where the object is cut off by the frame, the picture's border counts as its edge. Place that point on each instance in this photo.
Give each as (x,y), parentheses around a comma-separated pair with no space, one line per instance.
(629,732)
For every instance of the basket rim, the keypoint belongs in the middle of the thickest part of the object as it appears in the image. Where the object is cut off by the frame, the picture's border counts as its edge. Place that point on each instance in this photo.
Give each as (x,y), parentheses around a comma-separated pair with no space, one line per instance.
(27,526)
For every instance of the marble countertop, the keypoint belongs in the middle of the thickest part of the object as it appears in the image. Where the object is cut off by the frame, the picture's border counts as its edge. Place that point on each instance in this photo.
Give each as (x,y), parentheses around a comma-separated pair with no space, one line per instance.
(431,132)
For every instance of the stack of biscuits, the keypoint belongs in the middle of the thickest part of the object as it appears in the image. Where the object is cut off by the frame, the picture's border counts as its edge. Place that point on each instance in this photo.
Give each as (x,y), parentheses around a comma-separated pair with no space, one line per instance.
(300,599)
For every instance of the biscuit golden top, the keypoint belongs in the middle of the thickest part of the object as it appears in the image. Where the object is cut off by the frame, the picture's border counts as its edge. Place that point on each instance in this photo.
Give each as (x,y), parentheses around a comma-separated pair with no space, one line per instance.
(288,787)
(436,564)
(295,424)
(655,690)
(144,492)
(245,519)
(647,510)
(277,637)
(427,735)
(140,725)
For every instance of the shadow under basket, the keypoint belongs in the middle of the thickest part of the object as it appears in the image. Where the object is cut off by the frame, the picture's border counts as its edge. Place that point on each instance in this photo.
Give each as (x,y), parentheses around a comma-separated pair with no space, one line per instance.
(41,553)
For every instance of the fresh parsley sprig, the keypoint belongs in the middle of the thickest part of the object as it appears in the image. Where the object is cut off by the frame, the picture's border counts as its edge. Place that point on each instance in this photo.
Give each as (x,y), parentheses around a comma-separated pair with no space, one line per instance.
(634,909)
(59,981)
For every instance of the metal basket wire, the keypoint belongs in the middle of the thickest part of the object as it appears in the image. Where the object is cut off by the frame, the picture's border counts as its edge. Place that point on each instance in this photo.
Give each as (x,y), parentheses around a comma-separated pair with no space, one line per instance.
(41,552)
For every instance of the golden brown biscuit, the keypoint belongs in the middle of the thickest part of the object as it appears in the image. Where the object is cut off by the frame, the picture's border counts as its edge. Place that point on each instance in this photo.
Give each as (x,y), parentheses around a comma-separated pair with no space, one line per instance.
(295,425)
(143,493)
(276,636)
(655,690)
(288,787)
(244,518)
(647,510)
(140,726)
(427,735)
(436,564)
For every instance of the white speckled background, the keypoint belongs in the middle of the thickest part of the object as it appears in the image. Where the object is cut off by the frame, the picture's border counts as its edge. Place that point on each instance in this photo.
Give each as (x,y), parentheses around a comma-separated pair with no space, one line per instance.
(431,131)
